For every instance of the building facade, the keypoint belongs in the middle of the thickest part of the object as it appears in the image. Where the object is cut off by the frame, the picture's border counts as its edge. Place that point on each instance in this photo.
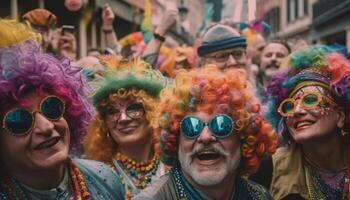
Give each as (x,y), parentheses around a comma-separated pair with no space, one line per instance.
(316,21)
(129,15)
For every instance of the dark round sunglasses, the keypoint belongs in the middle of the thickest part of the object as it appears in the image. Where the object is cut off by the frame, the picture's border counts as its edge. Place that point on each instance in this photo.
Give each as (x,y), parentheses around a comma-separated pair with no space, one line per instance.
(20,121)
(221,126)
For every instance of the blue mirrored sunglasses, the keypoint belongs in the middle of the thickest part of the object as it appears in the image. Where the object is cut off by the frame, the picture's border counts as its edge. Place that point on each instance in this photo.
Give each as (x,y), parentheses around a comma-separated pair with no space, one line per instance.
(221,126)
(20,121)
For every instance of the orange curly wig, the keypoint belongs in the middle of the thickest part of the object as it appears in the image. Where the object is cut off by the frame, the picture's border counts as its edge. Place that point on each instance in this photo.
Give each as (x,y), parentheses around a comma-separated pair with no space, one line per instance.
(98,145)
(122,80)
(212,91)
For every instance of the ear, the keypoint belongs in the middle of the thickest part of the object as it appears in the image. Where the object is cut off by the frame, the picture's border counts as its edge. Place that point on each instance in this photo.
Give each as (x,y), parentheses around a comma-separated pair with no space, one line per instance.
(340,118)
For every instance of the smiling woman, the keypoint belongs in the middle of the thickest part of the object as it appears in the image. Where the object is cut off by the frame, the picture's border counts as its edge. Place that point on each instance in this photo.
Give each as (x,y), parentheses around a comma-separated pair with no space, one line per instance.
(123,133)
(309,105)
(44,114)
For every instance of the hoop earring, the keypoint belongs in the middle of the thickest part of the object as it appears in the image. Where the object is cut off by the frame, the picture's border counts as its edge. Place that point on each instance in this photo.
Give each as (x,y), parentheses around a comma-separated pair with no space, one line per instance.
(343,132)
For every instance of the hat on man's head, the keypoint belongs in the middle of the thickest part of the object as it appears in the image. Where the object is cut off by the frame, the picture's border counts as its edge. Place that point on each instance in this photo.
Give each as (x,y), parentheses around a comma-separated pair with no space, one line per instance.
(41,17)
(220,37)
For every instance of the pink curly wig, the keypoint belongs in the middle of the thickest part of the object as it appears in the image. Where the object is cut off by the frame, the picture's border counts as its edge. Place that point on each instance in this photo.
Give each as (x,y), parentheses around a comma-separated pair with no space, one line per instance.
(25,69)
(212,91)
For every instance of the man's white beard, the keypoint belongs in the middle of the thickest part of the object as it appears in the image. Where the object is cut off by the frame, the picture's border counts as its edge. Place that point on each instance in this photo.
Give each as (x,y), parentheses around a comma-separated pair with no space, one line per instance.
(212,176)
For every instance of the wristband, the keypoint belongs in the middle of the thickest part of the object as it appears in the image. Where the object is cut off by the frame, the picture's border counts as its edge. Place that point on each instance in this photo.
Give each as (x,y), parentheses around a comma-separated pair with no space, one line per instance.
(159,37)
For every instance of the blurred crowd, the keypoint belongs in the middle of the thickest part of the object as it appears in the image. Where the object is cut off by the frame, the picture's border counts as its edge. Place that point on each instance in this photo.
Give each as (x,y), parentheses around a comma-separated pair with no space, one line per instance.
(235,115)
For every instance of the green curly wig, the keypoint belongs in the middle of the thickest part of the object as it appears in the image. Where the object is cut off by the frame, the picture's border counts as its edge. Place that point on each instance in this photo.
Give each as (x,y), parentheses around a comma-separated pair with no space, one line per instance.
(135,74)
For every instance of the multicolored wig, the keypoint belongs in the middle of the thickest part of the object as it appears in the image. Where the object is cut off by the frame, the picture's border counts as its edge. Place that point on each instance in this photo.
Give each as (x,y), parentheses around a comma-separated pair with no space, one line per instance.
(134,79)
(212,91)
(182,56)
(250,30)
(13,32)
(316,65)
(25,69)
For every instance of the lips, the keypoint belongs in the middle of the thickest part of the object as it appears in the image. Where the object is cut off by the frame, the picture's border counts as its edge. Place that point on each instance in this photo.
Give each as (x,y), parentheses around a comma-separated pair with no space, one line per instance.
(48,143)
(127,129)
(299,125)
(275,66)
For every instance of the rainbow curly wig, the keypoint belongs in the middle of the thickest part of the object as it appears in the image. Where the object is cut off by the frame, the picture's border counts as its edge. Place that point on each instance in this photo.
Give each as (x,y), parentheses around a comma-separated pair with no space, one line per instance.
(134,79)
(321,64)
(212,91)
(179,58)
(25,69)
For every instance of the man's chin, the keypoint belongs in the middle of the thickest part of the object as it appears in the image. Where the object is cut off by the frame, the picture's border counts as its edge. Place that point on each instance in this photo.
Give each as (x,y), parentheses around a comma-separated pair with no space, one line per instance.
(208,177)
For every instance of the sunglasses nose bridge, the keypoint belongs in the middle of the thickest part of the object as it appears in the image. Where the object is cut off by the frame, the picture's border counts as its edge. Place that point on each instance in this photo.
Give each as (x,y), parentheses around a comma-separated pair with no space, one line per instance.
(123,116)
(41,123)
(206,135)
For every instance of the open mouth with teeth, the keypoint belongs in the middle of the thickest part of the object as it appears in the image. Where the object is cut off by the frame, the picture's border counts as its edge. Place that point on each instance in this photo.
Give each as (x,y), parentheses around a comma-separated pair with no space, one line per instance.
(273,66)
(48,143)
(208,155)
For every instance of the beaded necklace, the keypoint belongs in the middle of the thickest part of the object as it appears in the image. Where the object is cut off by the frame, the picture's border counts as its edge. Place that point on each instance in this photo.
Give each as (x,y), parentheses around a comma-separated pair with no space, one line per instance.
(12,190)
(140,173)
(319,189)
(185,193)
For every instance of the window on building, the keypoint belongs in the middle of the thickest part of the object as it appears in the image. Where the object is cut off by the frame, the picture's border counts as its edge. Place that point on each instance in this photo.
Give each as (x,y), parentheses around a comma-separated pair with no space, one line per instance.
(288,10)
(306,7)
(296,9)
(5,9)
(273,18)
(292,10)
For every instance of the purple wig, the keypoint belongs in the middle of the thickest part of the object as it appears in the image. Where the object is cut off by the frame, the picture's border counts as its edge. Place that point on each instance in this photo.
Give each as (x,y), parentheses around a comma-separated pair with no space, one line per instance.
(24,69)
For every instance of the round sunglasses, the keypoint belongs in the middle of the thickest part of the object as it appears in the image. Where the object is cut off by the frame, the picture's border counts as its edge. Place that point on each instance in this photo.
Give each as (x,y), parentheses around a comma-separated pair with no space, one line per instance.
(309,101)
(221,126)
(20,121)
(134,111)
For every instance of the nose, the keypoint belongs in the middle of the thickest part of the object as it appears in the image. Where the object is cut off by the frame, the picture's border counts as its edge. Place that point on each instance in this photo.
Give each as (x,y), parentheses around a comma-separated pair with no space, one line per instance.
(298,110)
(273,57)
(124,117)
(231,61)
(206,137)
(42,125)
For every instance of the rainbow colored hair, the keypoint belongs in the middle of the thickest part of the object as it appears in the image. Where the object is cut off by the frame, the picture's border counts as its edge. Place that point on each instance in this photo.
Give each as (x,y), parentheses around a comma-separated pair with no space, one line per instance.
(212,91)
(182,55)
(25,69)
(318,63)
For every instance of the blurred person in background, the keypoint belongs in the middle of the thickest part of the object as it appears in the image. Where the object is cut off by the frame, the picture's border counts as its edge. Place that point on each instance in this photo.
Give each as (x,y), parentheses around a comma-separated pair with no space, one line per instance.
(223,46)
(66,43)
(168,20)
(43,22)
(273,58)
(73,5)
(178,58)
(111,39)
